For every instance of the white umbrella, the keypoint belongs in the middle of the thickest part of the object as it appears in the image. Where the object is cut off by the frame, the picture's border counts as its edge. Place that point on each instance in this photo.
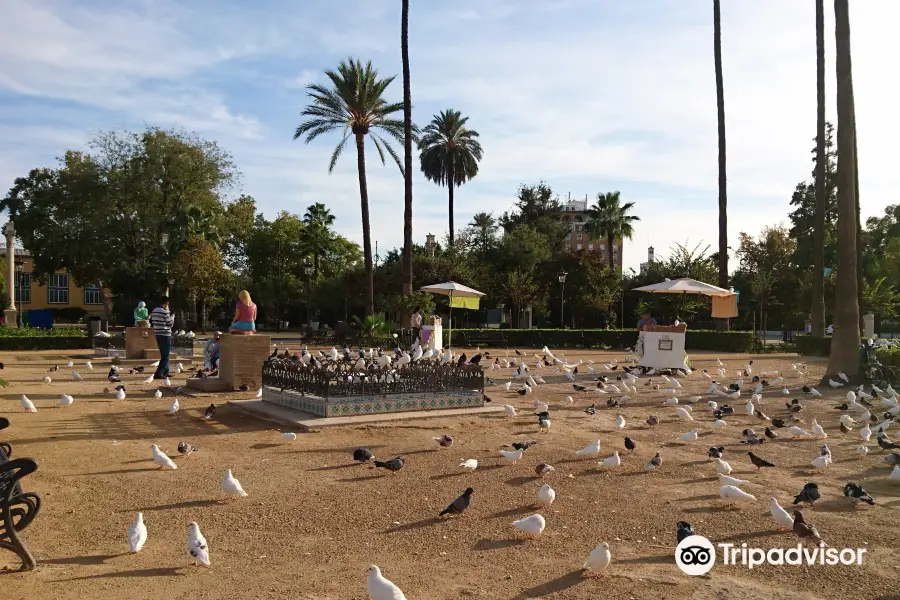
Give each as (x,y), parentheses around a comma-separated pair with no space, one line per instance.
(684,285)
(452,289)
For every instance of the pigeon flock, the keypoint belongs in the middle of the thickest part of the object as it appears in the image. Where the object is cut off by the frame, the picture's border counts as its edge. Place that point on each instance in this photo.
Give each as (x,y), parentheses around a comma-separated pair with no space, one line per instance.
(756,411)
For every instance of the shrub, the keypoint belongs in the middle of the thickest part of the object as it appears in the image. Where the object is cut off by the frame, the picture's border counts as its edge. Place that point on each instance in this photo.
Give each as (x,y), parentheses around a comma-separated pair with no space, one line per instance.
(808,345)
(55,332)
(57,338)
(69,314)
(722,341)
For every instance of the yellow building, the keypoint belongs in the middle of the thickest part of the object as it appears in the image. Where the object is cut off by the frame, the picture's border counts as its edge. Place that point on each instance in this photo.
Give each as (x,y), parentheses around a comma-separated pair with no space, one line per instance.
(59,290)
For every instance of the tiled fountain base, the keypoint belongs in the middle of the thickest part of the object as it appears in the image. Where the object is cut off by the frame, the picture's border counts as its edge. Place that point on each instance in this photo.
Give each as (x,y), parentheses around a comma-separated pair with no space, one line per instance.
(369,405)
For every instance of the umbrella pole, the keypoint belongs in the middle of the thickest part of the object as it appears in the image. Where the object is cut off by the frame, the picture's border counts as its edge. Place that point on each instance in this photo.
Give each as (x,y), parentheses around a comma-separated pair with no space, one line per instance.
(450,329)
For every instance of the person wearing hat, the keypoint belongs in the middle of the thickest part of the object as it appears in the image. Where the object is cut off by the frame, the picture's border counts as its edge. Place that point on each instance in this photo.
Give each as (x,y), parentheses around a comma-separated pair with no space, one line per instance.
(211,352)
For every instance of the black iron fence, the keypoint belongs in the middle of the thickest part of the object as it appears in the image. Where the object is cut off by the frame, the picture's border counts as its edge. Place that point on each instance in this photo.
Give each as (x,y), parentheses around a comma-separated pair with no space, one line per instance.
(114,342)
(339,378)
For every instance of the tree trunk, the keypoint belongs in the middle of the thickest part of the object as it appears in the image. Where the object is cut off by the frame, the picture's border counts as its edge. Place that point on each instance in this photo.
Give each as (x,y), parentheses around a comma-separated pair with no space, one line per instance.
(450,186)
(106,299)
(408,159)
(610,240)
(859,232)
(818,299)
(202,310)
(367,237)
(845,342)
(316,262)
(723,193)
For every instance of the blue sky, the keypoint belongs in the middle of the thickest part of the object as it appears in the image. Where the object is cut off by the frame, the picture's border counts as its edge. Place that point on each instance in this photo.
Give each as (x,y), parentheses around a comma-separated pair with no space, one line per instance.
(589,95)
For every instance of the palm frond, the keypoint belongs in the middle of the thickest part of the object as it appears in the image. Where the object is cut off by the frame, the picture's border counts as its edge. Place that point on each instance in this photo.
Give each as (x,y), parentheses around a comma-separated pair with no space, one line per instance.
(391,151)
(337,152)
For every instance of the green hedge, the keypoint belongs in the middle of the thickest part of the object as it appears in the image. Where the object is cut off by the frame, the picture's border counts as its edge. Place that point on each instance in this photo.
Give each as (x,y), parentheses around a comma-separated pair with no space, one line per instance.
(808,345)
(33,332)
(723,341)
(889,357)
(58,338)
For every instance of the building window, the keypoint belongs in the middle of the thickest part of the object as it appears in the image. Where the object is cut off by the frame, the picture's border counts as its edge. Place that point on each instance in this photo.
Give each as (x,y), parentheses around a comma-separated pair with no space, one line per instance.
(578,237)
(23,288)
(578,247)
(590,247)
(568,236)
(58,291)
(92,294)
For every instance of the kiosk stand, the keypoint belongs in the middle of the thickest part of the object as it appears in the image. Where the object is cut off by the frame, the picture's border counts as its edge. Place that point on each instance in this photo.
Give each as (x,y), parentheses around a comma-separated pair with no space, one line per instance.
(663,347)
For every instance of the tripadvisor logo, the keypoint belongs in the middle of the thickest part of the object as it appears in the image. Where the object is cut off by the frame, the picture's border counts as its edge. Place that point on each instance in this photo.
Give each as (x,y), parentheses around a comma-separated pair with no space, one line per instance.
(696,555)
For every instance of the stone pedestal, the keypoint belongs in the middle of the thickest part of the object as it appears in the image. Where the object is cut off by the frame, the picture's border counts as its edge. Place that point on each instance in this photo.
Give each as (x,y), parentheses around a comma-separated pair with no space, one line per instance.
(241,358)
(137,340)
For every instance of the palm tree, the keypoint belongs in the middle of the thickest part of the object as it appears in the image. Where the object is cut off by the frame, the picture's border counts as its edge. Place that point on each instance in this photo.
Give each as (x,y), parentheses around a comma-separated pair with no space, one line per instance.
(355,101)
(484,229)
(407,153)
(317,234)
(609,218)
(449,153)
(818,293)
(845,343)
(720,106)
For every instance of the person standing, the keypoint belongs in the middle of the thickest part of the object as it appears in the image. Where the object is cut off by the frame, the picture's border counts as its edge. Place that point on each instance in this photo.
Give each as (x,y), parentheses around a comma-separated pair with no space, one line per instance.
(417,324)
(161,320)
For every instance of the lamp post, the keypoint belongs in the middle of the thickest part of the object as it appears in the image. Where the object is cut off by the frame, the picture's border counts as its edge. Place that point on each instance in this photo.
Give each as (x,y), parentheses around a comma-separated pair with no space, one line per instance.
(307,268)
(20,281)
(562,299)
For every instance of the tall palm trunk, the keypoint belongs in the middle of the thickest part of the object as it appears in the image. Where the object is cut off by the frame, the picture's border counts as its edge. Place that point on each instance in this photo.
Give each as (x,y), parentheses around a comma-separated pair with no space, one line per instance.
(610,240)
(408,158)
(364,206)
(859,232)
(723,194)
(450,186)
(818,299)
(845,343)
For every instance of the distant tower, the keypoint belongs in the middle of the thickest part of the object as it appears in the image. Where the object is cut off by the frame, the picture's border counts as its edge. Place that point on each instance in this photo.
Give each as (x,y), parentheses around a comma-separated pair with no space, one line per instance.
(650,254)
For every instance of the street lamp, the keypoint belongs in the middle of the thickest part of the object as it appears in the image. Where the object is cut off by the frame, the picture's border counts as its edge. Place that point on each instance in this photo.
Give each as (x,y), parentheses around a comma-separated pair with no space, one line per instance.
(562,299)
(307,268)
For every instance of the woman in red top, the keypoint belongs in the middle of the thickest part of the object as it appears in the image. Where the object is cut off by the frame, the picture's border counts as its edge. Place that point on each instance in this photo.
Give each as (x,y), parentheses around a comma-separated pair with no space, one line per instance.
(244,315)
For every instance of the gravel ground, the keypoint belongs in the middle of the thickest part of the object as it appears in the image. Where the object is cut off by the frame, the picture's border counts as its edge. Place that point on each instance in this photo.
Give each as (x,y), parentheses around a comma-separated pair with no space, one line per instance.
(314,520)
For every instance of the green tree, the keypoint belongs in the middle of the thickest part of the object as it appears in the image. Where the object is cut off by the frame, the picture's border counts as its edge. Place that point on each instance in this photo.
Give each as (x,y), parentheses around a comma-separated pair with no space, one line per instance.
(521,289)
(483,232)
(274,257)
(237,227)
(354,104)
(198,269)
(449,153)
(818,288)
(845,343)
(609,219)
(317,235)
(803,217)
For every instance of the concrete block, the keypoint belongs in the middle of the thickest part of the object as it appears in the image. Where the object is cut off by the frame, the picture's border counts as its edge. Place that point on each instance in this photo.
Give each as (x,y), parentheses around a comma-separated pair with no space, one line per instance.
(241,358)
(138,339)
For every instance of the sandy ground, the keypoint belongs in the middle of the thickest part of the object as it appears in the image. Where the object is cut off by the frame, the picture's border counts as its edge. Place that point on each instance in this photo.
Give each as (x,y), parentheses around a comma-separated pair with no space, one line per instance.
(314,520)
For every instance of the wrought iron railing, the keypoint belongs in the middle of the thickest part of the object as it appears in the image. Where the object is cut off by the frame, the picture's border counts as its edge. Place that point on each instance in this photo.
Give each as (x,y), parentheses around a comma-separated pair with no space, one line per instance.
(114,342)
(342,378)
(183,345)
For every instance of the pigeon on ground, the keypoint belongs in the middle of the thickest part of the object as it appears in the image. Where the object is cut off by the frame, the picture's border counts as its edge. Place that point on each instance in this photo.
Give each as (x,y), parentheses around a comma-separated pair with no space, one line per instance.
(173,408)
(47,379)
(683,530)
(684,414)
(532,525)
(857,493)
(76,376)
(543,469)
(380,588)
(820,462)
(444,441)
(731,492)
(591,410)
(798,431)
(160,458)
(758,462)
(120,393)
(289,436)
(232,486)
(470,464)
(459,505)
(546,495)
(654,463)
(629,444)
(196,545)
(137,534)
(27,404)
(185,449)
(511,457)
(771,434)
(149,379)
(895,473)
(394,465)
(715,452)
(598,560)
(885,444)
(652,421)
(781,516)
(590,450)
(362,455)
(809,494)
(690,436)
(726,480)
(723,467)
(803,530)
(210,412)
(522,445)
(612,461)
(892,459)
(510,410)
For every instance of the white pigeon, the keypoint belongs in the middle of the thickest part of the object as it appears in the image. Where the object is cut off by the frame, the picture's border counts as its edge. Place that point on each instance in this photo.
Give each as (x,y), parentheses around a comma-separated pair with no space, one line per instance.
(120,394)
(470,464)
(723,467)
(65,400)
(817,430)
(179,367)
(590,450)
(173,408)
(847,421)
(70,364)
(507,385)
(620,422)
(289,436)
(758,389)
(541,406)
(735,394)
(381,588)
(157,394)
(546,495)
(611,461)
(684,414)
(690,436)
(862,450)
(232,486)
(89,366)
(782,517)
(865,433)
(160,458)
(749,408)
(712,404)
(511,457)
(895,474)
(196,545)
(149,379)
(532,525)
(820,462)
(798,431)
(137,534)
(76,376)
(46,379)
(259,392)
(732,492)
(719,424)
(598,560)
(510,410)
(835,384)
(785,391)
(168,382)
(569,401)
(670,401)
(815,393)
(27,404)
(726,480)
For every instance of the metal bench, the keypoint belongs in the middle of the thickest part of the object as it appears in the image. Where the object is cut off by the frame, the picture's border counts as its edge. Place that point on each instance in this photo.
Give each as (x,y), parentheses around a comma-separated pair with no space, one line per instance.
(17,508)
(488,337)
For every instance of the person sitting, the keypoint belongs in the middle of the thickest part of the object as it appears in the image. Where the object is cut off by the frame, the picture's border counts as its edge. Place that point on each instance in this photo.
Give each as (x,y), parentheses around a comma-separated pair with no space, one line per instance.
(244,321)
(646,319)
(211,352)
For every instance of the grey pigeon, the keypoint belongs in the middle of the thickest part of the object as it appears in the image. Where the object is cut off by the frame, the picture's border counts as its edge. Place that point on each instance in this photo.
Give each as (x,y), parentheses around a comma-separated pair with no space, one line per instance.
(629,444)
(715,452)
(185,449)
(685,530)
(523,445)
(210,412)
(809,494)
(395,464)
(892,459)
(856,491)
(458,506)
(362,455)
(804,530)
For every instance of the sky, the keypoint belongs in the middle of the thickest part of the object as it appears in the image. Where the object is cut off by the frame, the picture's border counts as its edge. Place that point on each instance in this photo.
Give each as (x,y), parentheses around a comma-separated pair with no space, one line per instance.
(590,96)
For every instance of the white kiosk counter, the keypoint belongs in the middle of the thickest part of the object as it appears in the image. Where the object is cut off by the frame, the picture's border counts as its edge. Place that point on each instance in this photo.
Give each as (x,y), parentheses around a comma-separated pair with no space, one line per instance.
(433,335)
(663,347)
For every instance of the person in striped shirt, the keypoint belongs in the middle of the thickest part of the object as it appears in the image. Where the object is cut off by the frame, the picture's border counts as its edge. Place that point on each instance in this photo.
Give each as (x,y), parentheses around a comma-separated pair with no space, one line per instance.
(161,320)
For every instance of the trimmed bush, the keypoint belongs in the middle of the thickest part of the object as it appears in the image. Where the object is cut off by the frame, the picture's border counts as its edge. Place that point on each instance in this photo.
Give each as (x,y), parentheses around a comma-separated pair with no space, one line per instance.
(722,341)
(808,345)
(58,338)
(31,332)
